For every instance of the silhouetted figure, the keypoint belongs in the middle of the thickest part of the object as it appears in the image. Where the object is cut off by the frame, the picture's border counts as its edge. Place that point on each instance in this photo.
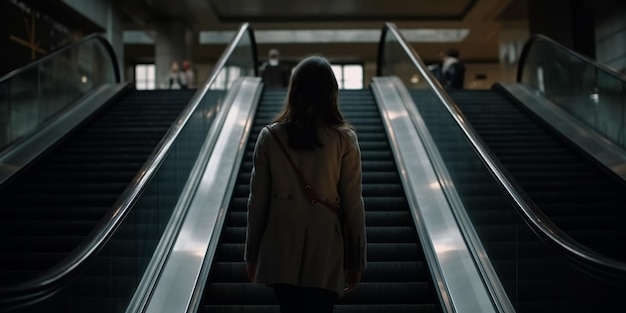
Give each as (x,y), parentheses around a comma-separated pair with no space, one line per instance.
(451,71)
(176,79)
(293,245)
(273,73)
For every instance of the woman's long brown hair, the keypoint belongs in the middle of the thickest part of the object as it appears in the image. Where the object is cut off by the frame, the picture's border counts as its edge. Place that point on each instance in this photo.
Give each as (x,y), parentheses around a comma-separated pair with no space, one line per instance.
(311,102)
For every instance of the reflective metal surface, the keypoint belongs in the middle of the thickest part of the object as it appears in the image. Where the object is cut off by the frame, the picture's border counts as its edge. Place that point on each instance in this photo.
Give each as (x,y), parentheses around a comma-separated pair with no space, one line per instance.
(525,224)
(210,107)
(21,153)
(32,96)
(597,145)
(475,246)
(590,91)
(120,248)
(398,59)
(181,282)
(458,280)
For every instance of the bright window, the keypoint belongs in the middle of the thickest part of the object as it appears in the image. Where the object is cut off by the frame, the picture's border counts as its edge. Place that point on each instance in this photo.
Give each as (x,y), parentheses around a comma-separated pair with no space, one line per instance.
(349,76)
(353,76)
(145,76)
(226,77)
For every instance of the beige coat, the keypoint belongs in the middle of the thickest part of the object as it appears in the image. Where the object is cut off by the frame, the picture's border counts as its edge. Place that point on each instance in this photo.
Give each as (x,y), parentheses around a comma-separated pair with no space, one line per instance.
(291,240)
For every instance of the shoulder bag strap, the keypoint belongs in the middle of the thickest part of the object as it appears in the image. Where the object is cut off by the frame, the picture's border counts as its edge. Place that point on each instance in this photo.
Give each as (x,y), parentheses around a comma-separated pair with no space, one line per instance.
(307,188)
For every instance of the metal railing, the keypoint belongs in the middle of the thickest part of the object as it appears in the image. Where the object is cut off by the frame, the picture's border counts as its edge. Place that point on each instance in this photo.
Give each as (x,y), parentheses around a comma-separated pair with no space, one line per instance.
(588,90)
(398,58)
(33,95)
(115,256)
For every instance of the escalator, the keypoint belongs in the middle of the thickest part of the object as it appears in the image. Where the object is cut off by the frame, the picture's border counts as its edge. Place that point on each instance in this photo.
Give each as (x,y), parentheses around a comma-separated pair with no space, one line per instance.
(397,278)
(52,205)
(574,193)
(524,271)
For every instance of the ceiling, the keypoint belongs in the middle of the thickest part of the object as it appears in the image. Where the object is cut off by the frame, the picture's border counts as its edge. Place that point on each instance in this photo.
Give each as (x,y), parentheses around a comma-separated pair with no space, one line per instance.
(346,10)
(485,20)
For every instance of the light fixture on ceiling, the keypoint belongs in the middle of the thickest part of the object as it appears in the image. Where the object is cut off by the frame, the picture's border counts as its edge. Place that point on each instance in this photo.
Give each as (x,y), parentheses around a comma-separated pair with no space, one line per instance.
(312,36)
(335,36)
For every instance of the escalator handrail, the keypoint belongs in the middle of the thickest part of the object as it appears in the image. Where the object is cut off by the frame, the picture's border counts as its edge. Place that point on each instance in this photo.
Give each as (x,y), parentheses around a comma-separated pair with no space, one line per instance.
(595,263)
(495,290)
(105,229)
(539,38)
(98,37)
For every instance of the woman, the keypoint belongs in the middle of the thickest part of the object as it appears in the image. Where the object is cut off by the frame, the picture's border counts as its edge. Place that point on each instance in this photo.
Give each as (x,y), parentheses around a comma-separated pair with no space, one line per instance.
(176,79)
(292,245)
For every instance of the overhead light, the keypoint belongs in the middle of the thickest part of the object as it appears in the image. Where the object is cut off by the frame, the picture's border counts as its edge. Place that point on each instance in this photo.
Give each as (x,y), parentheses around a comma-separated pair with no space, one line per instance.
(138,37)
(434,35)
(311,36)
(335,36)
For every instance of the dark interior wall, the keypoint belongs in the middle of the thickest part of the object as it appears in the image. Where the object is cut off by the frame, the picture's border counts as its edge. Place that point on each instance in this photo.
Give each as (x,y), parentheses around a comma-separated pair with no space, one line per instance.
(610,33)
(594,28)
(569,22)
(583,28)
(32,29)
(28,34)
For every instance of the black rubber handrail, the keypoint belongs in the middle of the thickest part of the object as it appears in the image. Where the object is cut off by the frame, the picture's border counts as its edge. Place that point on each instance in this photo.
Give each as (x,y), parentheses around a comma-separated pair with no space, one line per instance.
(539,38)
(69,267)
(98,37)
(587,260)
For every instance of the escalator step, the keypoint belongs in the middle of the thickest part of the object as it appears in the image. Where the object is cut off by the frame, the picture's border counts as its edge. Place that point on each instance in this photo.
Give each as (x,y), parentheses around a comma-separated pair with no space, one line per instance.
(572,192)
(398,277)
(53,205)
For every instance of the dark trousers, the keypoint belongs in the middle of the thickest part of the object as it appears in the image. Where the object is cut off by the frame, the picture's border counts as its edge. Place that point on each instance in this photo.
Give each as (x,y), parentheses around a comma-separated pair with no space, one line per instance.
(304,299)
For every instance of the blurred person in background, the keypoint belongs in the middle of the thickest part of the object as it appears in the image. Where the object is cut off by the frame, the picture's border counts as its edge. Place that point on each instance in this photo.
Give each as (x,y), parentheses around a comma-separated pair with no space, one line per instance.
(273,73)
(190,77)
(450,72)
(176,78)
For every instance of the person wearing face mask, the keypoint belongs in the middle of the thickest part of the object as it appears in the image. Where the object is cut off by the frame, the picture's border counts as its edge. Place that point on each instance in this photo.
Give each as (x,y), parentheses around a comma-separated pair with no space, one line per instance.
(273,73)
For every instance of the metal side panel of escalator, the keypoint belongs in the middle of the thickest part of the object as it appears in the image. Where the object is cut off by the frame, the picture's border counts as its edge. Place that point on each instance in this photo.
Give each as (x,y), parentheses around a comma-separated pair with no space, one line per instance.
(577,195)
(51,206)
(397,278)
(574,193)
